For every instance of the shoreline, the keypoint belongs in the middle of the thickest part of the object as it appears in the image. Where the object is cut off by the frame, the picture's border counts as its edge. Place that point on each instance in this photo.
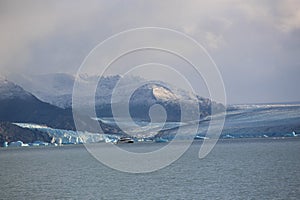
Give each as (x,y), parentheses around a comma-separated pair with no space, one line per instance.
(220,141)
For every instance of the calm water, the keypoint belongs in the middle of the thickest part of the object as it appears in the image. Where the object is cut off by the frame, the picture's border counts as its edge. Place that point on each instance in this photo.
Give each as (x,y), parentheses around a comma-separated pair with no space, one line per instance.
(235,169)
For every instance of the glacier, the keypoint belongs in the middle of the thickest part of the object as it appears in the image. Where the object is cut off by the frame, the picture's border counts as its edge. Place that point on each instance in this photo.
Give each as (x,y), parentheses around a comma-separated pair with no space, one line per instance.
(61,136)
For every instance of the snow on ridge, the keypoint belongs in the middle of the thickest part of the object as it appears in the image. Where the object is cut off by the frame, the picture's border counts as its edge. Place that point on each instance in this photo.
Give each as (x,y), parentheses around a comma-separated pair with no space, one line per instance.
(161,93)
(57,89)
(29,125)
(264,106)
(3,79)
(9,90)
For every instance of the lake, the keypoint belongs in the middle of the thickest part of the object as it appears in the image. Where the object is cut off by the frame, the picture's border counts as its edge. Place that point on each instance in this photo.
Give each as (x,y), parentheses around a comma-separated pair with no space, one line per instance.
(264,168)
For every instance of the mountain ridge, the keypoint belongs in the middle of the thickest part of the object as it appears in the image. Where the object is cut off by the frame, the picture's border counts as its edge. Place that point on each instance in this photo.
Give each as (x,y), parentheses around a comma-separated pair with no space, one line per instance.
(18,105)
(32,110)
(45,90)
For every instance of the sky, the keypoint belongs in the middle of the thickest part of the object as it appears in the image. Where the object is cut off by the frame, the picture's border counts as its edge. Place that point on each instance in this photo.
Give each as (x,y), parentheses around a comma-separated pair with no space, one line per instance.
(255,44)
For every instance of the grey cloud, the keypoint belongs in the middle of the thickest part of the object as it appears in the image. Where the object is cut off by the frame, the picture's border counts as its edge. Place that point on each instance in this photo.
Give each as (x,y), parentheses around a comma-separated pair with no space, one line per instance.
(254,43)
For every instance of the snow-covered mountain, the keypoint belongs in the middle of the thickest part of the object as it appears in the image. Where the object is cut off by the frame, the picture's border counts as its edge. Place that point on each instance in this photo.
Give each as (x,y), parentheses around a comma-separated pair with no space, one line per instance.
(10,90)
(19,105)
(57,89)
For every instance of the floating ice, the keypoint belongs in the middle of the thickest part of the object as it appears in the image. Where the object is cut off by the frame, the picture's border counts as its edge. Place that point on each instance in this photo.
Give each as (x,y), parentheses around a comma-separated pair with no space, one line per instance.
(17,144)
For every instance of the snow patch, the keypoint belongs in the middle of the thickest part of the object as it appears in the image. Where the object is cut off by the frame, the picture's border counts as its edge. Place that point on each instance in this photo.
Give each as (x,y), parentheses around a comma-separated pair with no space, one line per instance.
(161,93)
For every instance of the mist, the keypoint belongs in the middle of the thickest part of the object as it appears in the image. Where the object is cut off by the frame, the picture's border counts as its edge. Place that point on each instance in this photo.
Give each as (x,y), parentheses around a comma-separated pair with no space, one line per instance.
(255,45)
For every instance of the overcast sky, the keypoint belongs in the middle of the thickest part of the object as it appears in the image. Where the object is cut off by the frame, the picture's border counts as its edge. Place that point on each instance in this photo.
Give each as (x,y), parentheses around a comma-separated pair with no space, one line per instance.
(255,44)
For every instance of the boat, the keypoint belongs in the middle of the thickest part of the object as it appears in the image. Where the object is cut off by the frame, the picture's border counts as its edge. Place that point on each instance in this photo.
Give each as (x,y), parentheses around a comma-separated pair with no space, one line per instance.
(125,140)
(198,137)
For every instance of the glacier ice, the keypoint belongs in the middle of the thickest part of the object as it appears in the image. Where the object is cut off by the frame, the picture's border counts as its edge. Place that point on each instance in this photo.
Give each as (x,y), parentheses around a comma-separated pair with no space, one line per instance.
(61,136)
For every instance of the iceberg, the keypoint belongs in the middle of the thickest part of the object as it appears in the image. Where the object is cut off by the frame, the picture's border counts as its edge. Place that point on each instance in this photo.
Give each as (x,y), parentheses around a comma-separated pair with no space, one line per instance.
(5,144)
(39,143)
(17,144)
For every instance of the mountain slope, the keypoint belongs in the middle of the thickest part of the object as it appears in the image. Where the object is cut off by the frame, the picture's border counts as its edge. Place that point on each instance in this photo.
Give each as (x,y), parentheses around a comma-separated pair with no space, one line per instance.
(10,133)
(57,90)
(18,105)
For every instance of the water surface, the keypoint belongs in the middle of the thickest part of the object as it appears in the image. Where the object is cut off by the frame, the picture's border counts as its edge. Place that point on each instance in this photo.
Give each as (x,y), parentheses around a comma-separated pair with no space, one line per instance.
(235,169)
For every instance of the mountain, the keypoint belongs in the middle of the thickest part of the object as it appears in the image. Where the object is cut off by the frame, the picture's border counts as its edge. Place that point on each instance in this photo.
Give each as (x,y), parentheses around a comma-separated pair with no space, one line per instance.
(18,105)
(57,89)
(10,133)
(150,94)
(9,90)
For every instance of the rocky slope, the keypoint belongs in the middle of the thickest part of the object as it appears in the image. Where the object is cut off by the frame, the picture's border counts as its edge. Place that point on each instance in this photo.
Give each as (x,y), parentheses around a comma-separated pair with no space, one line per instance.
(10,133)
(18,105)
